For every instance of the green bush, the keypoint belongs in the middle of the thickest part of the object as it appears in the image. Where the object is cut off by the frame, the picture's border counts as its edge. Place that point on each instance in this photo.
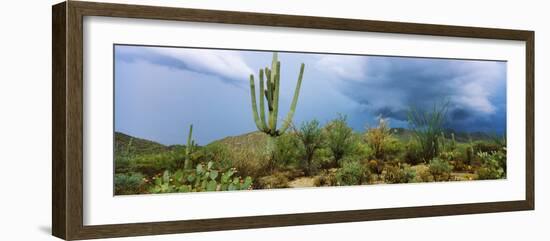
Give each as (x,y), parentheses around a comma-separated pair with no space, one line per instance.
(124,156)
(326,178)
(381,142)
(217,153)
(399,174)
(249,162)
(393,148)
(362,150)
(423,174)
(412,153)
(287,151)
(440,169)
(352,173)
(310,135)
(486,146)
(340,138)
(492,165)
(129,183)
(150,164)
(323,158)
(376,167)
(500,157)
(485,173)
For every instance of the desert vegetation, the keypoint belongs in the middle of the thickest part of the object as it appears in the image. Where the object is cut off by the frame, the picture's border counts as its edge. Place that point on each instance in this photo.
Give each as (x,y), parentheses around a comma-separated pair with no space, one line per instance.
(310,153)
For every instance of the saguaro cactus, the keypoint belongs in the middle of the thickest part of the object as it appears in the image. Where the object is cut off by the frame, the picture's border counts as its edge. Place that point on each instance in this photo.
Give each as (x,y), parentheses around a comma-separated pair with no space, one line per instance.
(271,93)
(189,148)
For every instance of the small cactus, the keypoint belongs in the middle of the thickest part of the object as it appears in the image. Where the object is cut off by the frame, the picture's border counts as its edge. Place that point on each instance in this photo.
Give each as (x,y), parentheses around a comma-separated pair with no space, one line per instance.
(204,178)
(189,148)
(453,141)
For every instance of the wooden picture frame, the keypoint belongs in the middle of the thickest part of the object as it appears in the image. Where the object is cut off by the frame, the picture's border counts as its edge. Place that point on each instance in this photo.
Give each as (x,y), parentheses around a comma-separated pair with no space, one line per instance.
(67,124)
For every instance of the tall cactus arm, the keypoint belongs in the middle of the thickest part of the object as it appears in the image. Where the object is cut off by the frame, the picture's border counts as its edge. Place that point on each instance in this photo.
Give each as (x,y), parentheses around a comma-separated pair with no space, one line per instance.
(189,148)
(189,140)
(290,114)
(262,105)
(273,94)
(253,100)
(277,83)
(274,69)
(268,91)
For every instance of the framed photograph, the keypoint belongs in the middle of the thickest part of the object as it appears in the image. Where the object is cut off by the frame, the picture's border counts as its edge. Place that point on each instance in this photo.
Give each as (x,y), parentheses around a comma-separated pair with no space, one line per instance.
(172,120)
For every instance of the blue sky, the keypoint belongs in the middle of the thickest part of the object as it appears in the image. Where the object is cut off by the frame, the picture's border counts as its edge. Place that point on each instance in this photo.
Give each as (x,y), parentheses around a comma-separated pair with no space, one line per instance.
(160,91)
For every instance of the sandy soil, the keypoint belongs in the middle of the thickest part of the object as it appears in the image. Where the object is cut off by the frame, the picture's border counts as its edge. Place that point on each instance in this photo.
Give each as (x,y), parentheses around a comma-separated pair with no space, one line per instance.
(301,182)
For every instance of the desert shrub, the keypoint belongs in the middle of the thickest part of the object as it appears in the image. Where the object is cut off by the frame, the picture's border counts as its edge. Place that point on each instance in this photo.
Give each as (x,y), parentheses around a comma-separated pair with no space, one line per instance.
(427,127)
(453,158)
(485,146)
(340,138)
(362,150)
(286,150)
(130,159)
(217,153)
(250,162)
(440,169)
(376,138)
(460,166)
(485,173)
(448,155)
(150,164)
(323,158)
(492,165)
(129,183)
(423,174)
(276,180)
(326,178)
(399,174)
(311,138)
(352,173)
(380,140)
(410,173)
(123,156)
(376,167)
(500,157)
(393,149)
(412,153)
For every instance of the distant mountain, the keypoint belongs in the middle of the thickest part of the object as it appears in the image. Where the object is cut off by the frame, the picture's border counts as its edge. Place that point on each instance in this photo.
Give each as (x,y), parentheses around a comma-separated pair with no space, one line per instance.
(257,140)
(252,140)
(138,145)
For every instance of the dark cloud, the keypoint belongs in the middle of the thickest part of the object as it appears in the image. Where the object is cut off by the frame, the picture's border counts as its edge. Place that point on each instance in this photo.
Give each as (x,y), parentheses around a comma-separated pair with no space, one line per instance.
(389,86)
(459,114)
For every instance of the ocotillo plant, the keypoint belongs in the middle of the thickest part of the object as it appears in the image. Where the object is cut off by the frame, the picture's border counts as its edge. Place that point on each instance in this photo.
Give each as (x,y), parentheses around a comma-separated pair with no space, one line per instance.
(189,148)
(271,94)
(426,126)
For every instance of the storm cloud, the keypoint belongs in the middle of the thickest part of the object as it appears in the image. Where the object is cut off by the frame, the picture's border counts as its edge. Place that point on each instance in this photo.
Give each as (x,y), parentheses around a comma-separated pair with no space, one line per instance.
(228,65)
(160,91)
(390,86)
